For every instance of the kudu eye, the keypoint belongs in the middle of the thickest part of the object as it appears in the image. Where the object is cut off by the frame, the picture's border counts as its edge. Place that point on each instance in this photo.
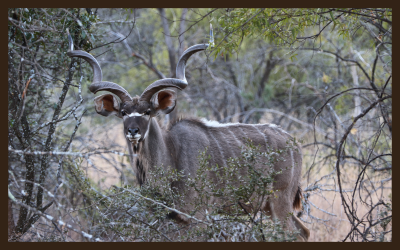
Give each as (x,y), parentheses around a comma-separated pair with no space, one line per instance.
(123,113)
(147,112)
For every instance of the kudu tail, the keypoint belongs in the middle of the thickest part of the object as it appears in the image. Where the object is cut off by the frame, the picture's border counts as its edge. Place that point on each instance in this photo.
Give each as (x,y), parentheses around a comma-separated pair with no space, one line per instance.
(297,199)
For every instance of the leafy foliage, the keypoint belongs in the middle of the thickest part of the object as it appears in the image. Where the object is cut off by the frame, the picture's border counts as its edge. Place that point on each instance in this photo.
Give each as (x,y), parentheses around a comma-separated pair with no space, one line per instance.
(141,214)
(283,26)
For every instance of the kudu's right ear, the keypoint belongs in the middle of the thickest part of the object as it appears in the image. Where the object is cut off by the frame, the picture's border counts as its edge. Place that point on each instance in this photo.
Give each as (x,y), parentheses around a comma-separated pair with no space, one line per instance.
(107,105)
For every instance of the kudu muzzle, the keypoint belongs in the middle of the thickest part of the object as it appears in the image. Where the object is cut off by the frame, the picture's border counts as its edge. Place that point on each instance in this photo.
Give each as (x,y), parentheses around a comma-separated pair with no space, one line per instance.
(133,134)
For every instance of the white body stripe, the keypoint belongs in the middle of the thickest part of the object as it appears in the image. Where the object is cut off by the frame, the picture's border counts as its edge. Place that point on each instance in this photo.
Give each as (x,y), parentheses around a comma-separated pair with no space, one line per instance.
(291,155)
(233,135)
(219,147)
(265,138)
(245,135)
(229,145)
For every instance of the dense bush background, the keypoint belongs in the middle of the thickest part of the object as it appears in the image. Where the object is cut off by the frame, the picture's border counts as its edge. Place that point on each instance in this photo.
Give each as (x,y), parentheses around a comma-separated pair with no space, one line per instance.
(324,75)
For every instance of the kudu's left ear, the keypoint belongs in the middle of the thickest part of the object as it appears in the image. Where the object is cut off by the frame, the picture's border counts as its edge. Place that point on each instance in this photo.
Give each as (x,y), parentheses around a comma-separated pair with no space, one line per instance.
(107,105)
(163,101)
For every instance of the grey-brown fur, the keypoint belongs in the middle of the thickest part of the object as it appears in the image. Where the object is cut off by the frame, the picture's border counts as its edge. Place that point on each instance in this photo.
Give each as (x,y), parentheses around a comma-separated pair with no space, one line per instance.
(179,145)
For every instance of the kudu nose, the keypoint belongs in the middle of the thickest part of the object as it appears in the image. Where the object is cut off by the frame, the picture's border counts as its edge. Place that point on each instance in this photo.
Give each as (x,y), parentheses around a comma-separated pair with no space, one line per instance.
(133,131)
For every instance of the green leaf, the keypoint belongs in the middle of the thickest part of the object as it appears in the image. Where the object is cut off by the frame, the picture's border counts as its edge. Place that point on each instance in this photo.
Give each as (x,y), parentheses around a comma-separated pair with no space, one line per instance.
(330,13)
(334,25)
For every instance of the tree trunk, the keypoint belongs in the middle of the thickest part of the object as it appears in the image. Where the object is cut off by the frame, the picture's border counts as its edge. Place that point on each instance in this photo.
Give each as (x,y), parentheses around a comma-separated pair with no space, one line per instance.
(171,49)
(182,27)
(168,42)
(11,223)
(270,65)
(357,100)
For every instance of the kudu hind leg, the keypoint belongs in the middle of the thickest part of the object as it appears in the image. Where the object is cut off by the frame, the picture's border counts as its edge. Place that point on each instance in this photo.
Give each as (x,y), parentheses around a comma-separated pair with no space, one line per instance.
(304,231)
(279,209)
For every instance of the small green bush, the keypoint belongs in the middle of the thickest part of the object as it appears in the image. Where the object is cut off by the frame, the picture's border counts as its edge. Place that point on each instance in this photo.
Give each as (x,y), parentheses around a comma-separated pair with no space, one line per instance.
(142,214)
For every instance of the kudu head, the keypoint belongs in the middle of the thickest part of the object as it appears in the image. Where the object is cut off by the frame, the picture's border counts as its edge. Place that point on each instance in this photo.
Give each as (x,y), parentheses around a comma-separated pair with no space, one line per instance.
(136,112)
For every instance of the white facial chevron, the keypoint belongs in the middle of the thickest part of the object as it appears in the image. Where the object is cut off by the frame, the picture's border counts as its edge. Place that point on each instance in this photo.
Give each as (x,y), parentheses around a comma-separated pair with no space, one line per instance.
(134,114)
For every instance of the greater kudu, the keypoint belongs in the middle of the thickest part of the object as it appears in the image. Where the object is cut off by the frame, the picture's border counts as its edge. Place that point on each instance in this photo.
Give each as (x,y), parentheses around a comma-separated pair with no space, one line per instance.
(179,145)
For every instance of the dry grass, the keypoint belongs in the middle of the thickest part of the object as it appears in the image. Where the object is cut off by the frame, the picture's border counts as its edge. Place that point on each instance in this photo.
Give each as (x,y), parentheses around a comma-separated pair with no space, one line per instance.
(335,226)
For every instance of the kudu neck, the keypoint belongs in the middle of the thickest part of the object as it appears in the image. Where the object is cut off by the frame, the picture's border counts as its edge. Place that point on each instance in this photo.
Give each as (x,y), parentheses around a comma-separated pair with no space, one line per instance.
(154,146)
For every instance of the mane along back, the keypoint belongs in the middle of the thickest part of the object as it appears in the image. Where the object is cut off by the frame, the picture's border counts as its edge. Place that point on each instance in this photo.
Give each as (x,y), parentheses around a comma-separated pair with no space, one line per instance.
(226,140)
